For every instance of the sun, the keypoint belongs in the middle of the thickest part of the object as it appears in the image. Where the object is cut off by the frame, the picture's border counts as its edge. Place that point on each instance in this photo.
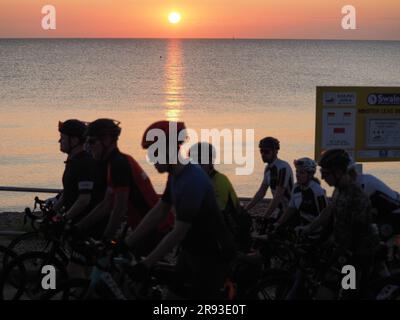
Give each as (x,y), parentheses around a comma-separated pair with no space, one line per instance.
(174,17)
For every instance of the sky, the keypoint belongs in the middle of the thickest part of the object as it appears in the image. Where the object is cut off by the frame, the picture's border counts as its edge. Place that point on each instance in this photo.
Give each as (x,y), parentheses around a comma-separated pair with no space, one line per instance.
(265,19)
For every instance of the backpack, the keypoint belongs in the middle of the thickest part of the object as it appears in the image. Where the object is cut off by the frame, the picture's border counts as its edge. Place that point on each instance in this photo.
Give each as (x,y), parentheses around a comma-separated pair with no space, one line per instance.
(240,224)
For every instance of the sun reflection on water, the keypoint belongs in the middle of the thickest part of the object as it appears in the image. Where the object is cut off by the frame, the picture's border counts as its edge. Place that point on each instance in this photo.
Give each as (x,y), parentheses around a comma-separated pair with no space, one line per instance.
(174,81)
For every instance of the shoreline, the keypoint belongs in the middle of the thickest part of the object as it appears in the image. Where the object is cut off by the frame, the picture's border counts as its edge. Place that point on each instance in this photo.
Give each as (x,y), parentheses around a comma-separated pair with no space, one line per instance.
(14,220)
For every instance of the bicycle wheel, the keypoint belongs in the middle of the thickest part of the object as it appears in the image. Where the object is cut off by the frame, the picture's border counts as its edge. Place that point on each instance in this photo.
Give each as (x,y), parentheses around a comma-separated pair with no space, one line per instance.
(27,242)
(5,253)
(388,289)
(25,272)
(11,281)
(9,285)
(71,289)
(274,287)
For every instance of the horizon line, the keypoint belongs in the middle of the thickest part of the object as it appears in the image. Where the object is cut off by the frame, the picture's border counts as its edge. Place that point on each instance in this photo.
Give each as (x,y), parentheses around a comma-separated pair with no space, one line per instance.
(188,38)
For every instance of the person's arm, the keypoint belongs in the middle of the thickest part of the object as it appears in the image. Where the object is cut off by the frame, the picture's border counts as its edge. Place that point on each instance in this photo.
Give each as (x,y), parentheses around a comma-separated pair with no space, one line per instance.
(98,213)
(289,213)
(119,211)
(59,203)
(321,201)
(260,194)
(150,222)
(80,204)
(170,241)
(283,183)
(321,221)
(187,209)
(120,184)
(277,199)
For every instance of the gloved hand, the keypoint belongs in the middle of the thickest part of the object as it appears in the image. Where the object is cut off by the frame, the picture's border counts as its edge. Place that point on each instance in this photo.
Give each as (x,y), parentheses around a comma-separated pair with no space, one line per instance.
(50,202)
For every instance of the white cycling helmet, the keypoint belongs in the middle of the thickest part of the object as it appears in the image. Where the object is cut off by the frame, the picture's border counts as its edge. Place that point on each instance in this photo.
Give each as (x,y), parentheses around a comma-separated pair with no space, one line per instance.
(357,167)
(307,164)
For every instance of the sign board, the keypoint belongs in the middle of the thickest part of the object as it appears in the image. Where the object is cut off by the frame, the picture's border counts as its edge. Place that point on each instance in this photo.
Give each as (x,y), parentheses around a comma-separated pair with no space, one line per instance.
(365,121)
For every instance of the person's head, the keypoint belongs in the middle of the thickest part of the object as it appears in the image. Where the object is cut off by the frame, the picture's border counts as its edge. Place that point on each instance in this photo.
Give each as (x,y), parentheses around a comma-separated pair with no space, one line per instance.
(334,165)
(72,134)
(305,170)
(102,136)
(269,148)
(204,154)
(159,150)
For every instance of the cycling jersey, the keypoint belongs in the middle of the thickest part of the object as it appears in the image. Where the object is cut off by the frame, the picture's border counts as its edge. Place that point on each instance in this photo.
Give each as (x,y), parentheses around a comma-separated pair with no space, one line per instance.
(193,197)
(224,191)
(352,220)
(308,201)
(82,176)
(383,199)
(205,245)
(124,174)
(279,174)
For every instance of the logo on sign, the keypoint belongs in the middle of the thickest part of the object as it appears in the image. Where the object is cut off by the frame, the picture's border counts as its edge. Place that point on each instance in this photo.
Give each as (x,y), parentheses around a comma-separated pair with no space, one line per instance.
(392,99)
(340,98)
(329,98)
(372,99)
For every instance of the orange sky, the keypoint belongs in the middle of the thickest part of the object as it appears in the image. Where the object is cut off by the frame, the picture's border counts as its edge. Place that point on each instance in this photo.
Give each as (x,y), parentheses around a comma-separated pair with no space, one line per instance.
(304,19)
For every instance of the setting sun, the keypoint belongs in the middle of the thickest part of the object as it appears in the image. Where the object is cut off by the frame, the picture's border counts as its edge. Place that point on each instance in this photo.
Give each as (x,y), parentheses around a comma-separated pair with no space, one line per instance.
(174,17)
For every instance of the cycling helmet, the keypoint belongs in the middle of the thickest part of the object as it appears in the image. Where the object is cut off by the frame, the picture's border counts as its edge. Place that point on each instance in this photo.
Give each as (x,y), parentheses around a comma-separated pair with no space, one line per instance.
(195,152)
(269,143)
(73,128)
(165,127)
(335,158)
(306,164)
(104,127)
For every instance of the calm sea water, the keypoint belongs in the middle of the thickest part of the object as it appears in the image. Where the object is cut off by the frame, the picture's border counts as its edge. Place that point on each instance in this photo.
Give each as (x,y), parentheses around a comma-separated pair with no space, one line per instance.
(265,85)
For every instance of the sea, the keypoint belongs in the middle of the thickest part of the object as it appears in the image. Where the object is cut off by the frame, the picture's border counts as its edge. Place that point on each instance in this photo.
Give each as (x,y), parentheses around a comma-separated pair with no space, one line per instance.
(247,89)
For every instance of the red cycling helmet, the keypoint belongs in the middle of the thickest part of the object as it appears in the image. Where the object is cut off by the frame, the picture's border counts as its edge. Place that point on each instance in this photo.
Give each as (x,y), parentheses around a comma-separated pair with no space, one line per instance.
(163,125)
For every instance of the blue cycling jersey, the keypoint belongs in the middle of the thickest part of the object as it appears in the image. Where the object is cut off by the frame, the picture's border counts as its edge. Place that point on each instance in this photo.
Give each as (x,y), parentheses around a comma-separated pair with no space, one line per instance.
(193,197)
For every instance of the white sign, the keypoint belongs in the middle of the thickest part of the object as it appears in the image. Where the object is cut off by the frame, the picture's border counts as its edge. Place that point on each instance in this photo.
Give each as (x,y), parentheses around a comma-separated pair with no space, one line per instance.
(339,128)
(340,99)
(383,133)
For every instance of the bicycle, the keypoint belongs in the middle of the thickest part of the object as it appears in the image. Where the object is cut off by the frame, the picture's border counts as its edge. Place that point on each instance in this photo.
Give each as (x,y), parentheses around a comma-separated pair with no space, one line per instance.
(34,240)
(30,276)
(109,279)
